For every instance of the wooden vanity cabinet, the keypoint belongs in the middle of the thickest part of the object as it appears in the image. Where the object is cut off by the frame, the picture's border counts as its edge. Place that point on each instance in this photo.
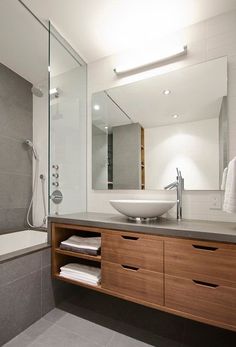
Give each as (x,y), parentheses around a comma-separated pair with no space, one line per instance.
(132,264)
(200,279)
(190,278)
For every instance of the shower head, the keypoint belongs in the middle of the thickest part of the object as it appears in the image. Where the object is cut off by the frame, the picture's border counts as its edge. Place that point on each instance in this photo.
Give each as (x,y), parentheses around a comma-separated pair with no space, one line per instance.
(37,91)
(31,145)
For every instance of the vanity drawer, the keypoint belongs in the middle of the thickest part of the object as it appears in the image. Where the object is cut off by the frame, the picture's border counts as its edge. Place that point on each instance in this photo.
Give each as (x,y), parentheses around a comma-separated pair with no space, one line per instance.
(185,257)
(133,249)
(210,300)
(133,282)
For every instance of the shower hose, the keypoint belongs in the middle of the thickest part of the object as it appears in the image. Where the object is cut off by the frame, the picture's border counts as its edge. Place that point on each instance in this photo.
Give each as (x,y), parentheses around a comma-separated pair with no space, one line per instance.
(42,178)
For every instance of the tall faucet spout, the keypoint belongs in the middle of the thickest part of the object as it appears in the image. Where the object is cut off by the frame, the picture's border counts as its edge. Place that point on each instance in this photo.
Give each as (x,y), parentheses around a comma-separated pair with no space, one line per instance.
(171,185)
(179,185)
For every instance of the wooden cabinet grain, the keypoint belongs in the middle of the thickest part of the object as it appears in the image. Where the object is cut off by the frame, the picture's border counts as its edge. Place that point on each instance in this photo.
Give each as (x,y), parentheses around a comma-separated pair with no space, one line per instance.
(190,278)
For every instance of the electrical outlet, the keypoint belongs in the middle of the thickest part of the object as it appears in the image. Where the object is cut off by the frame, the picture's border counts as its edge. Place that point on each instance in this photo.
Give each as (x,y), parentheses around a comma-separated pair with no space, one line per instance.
(215,202)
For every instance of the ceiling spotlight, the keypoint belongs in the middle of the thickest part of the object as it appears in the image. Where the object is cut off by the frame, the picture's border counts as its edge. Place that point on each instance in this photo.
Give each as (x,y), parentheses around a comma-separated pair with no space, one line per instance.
(166,92)
(106,127)
(96,107)
(175,116)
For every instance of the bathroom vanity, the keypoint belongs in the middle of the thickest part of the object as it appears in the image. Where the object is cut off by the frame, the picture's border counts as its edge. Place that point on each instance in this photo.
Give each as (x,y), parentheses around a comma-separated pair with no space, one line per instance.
(185,268)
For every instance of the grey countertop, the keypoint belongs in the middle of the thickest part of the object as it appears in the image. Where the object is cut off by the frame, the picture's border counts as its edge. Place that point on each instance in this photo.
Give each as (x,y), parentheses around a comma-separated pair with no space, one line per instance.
(196,229)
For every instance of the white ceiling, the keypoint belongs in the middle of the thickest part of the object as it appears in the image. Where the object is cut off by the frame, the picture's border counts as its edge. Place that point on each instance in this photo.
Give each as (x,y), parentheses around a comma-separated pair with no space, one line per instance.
(24,45)
(196,94)
(98,28)
(23,42)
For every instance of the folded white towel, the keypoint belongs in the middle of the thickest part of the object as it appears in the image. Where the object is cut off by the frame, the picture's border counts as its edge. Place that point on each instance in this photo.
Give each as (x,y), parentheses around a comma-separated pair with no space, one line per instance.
(230,188)
(93,243)
(80,275)
(224,177)
(89,278)
(77,278)
(80,269)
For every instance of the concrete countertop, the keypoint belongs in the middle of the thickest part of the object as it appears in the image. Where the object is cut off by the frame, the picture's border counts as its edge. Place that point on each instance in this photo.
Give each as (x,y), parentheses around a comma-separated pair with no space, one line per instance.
(195,229)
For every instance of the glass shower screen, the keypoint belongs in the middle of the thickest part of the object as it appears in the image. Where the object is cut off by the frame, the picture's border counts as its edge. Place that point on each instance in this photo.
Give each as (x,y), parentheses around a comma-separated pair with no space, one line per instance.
(67,128)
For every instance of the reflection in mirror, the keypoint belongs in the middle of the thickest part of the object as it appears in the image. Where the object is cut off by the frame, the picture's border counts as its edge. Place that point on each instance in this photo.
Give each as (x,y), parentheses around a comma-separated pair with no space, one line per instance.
(143,130)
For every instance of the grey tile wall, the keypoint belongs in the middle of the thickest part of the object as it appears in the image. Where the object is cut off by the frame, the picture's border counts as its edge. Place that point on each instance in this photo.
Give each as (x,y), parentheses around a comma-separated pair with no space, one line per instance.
(16,122)
(27,292)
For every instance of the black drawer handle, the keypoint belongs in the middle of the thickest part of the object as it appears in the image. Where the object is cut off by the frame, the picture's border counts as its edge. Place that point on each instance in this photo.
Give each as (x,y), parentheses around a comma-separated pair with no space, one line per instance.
(205,248)
(130,237)
(133,268)
(206,284)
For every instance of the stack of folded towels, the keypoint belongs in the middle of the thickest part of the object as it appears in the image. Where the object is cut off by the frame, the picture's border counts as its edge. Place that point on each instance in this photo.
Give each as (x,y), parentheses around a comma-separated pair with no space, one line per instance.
(83,273)
(88,245)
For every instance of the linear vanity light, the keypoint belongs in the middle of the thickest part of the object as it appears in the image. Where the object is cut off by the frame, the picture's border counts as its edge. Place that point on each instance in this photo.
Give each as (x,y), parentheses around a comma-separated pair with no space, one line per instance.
(120,70)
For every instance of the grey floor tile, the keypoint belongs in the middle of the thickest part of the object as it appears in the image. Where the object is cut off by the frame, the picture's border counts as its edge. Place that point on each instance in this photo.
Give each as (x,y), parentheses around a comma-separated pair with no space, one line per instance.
(90,331)
(120,340)
(38,328)
(145,336)
(60,337)
(54,315)
(21,340)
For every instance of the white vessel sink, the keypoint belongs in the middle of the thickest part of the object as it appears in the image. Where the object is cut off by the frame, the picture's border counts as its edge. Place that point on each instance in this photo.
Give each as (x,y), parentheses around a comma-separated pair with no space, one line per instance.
(142,209)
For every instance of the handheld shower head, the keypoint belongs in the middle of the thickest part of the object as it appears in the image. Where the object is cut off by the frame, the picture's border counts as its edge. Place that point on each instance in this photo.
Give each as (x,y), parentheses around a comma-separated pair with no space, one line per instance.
(37,91)
(31,145)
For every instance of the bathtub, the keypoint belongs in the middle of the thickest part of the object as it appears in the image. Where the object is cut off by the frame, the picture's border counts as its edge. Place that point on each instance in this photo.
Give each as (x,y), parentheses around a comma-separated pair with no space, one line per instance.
(20,242)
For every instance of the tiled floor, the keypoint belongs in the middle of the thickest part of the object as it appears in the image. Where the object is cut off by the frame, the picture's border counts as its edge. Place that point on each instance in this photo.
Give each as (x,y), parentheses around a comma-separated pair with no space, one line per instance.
(90,319)
(61,329)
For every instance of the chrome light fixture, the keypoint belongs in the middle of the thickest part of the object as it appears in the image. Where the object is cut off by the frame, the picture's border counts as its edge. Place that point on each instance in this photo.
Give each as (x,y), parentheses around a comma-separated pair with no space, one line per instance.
(177,52)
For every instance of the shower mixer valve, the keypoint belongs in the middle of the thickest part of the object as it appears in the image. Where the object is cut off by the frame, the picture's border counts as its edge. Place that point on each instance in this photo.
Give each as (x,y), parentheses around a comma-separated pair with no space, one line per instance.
(55,175)
(56,184)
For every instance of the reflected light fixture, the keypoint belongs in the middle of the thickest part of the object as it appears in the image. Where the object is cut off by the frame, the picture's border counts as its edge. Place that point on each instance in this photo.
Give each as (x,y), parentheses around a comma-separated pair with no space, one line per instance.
(175,116)
(166,92)
(96,107)
(162,60)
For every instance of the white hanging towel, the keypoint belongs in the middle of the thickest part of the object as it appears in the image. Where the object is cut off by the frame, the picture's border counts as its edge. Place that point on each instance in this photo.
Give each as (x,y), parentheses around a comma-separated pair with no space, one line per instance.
(230,188)
(224,176)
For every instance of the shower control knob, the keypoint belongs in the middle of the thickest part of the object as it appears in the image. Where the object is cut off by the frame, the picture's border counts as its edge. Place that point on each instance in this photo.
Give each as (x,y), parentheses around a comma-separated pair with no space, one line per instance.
(56,167)
(55,175)
(56,184)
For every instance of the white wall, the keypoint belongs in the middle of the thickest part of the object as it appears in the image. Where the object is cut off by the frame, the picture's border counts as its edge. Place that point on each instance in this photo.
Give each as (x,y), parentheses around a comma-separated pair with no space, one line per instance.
(193,147)
(68,140)
(206,40)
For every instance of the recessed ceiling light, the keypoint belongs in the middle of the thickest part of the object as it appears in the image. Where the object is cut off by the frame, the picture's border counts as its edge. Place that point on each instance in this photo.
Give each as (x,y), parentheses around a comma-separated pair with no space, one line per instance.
(106,127)
(166,92)
(96,107)
(175,116)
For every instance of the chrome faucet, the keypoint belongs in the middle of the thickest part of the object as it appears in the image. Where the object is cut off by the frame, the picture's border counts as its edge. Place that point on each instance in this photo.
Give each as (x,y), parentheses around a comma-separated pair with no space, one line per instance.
(179,186)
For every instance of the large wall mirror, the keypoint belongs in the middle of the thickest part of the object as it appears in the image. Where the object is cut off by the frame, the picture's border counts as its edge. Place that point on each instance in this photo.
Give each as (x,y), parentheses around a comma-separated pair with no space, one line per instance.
(143,130)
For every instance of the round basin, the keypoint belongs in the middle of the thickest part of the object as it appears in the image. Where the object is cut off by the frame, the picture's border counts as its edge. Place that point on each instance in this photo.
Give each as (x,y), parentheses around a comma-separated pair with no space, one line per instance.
(142,208)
